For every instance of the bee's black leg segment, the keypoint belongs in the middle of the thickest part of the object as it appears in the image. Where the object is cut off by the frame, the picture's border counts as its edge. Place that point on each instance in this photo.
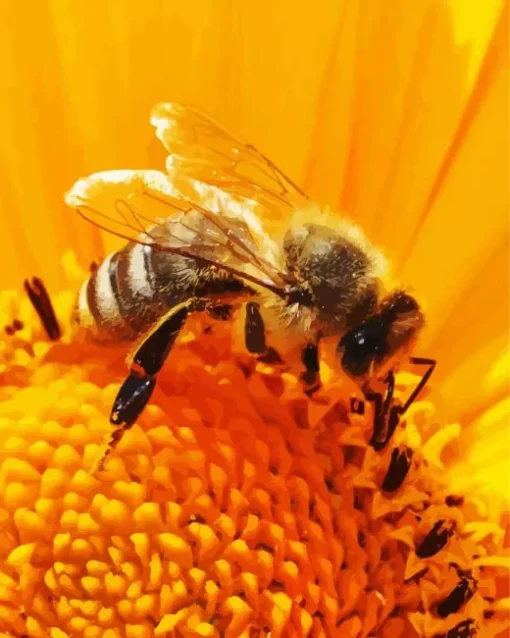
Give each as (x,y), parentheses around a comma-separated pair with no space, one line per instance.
(255,336)
(383,426)
(254,330)
(148,360)
(152,354)
(132,398)
(390,380)
(378,439)
(419,361)
(387,416)
(310,377)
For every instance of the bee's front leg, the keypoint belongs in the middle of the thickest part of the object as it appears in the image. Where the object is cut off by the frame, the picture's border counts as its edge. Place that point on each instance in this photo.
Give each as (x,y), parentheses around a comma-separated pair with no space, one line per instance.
(148,360)
(255,336)
(385,414)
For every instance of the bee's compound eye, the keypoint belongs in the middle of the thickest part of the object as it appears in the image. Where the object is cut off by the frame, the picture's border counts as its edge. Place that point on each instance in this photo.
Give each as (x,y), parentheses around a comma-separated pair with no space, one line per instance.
(360,347)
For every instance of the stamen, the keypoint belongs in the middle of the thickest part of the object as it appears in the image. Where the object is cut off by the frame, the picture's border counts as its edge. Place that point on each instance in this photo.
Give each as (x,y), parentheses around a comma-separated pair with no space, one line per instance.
(462,592)
(15,326)
(435,540)
(398,469)
(454,501)
(41,301)
(465,629)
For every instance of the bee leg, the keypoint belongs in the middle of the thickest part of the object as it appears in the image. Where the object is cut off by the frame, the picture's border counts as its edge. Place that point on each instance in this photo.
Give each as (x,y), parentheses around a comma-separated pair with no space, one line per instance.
(132,397)
(148,360)
(310,377)
(398,411)
(112,444)
(383,427)
(220,312)
(386,415)
(255,336)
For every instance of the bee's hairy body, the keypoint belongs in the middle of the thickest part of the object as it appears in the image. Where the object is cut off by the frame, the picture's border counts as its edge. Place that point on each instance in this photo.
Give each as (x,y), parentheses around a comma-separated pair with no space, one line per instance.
(333,280)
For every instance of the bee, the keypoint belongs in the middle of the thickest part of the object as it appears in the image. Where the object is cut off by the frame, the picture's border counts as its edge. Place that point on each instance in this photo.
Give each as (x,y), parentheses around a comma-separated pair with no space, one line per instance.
(223,229)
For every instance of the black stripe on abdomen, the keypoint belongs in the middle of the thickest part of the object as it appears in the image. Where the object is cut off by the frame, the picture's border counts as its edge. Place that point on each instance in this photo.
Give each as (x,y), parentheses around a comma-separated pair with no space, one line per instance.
(92,302)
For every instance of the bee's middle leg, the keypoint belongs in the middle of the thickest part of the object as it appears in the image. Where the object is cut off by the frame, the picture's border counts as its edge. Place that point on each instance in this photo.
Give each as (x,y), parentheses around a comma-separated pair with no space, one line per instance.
(310,376)
(255,336)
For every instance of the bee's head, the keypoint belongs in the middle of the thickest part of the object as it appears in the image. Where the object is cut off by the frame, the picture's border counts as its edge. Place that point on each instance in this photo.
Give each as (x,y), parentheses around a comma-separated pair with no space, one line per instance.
(374,341)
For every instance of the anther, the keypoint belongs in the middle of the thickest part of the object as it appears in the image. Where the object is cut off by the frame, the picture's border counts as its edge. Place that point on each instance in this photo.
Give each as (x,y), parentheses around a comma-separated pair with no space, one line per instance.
(41,302)
(435,540)
(460,594)
(454,501)
(398,468)
(465,629)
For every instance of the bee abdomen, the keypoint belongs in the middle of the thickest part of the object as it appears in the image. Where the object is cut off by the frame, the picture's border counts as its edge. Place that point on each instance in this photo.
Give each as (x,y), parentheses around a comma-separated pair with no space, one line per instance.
(135,286)
(98,303)
(113,302)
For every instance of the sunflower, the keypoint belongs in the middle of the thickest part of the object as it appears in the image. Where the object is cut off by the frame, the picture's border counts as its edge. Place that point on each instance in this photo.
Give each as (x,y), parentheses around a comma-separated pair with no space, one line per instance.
(276,518)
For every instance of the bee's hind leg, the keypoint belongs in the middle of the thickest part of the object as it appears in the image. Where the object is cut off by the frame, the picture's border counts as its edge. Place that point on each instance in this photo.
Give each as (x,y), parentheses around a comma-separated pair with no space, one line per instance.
(148,360)
(255,336)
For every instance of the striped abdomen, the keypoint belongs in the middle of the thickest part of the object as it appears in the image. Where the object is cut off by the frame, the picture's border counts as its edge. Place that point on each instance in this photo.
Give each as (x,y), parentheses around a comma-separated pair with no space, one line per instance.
(116,300)
(137,285)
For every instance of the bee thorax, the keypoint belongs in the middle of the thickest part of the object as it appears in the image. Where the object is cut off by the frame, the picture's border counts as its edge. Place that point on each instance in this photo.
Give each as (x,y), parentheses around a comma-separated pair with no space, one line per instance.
(335,275)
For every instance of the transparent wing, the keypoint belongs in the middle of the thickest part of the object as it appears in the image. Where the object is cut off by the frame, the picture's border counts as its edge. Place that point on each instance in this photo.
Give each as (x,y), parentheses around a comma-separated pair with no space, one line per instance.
(144,207)
(213,168)
(120,202)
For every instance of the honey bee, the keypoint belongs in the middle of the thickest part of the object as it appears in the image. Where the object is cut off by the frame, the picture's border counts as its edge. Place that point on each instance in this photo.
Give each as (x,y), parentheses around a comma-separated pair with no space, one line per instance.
(224,229)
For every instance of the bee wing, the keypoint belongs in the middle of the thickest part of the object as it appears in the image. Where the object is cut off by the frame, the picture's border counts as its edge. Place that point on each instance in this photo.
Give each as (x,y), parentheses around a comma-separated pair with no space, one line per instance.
(214,169)
(118,201)
(144,207)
